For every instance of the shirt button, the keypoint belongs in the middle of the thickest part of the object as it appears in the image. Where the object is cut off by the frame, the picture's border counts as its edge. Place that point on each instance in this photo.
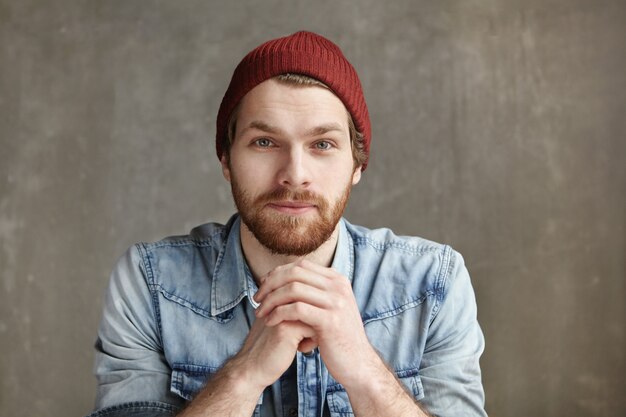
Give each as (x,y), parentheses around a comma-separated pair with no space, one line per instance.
(293,412)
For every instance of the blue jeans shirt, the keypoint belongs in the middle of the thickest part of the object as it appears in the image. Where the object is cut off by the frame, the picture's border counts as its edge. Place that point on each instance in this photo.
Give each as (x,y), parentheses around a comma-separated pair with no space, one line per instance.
(178,309)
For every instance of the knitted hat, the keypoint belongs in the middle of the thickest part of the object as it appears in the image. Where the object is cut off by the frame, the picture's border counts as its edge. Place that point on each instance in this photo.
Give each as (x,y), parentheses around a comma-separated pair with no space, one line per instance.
(303,53)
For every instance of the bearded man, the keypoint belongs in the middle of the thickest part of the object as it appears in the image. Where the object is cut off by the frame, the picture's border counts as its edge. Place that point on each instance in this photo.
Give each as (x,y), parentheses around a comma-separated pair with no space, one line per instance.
(288,309)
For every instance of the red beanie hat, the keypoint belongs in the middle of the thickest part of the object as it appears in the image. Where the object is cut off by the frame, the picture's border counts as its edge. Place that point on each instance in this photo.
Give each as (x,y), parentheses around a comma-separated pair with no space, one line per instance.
(303,53)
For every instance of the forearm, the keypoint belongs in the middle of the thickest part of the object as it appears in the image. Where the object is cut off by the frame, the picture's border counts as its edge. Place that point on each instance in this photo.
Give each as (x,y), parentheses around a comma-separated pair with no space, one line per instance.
(229,393)
(266,354)
(379,393)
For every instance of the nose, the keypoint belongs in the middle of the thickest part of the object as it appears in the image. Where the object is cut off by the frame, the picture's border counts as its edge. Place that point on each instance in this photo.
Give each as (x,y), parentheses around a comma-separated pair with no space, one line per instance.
(294,171)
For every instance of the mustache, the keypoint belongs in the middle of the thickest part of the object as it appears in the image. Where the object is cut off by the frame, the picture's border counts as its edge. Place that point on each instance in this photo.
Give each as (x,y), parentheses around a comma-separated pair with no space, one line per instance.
(285,194)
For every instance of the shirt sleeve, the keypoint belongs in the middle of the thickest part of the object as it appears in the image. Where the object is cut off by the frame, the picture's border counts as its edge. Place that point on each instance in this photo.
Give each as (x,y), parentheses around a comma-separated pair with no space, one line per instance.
(130,365)
(450,370)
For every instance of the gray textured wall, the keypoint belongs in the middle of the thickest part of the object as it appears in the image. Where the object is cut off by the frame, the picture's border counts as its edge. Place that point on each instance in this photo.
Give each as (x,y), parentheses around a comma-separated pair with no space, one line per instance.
(498,128)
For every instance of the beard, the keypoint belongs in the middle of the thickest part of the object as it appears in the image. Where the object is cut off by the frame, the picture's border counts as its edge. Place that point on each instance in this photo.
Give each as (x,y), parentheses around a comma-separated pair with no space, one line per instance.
(285,234)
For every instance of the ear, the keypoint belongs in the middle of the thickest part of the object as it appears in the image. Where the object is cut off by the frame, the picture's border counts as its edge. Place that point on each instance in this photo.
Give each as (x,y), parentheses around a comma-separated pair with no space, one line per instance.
(225,167)
(356,176)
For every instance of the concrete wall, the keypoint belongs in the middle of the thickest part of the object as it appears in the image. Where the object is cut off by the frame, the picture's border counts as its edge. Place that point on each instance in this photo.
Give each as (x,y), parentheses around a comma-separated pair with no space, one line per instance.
(498,128)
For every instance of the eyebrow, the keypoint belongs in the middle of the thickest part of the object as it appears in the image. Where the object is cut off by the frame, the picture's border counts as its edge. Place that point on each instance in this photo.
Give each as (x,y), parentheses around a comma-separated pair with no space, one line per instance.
(325,128)
(315,131)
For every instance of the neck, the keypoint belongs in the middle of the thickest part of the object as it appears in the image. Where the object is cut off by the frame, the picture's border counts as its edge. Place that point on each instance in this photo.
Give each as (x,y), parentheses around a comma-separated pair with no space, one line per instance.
(261,260)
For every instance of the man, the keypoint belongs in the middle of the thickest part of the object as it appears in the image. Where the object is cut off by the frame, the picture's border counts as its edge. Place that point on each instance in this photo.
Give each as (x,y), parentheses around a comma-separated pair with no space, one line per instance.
(288,309)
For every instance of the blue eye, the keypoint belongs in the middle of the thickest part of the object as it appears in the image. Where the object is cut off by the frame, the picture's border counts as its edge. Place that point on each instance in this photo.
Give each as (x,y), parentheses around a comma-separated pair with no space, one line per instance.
(323,145)
(263,143)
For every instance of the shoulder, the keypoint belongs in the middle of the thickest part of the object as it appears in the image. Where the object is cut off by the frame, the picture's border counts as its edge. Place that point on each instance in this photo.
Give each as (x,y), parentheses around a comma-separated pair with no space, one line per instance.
(165,261)
(384,239)
(383,243)
(405,266)
(206,235)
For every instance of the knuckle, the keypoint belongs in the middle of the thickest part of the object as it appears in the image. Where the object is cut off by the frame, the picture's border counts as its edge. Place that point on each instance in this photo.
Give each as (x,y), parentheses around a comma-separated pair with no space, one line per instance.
(299,308)
(281,329)
(278,311)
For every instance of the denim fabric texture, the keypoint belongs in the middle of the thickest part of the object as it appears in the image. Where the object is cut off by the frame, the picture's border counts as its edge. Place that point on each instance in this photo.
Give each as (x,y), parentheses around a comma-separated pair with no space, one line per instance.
(138,409)
(176,310)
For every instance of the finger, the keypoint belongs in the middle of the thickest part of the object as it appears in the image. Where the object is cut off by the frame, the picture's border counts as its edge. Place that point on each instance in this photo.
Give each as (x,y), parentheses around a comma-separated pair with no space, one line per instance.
(307,345)
(300,330)
(328,272)
(294,292)
(334,280)
(280,277)
(298,311)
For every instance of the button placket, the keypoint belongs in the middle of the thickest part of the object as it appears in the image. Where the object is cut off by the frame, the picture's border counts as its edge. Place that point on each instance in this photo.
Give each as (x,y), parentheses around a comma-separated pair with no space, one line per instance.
(308,384)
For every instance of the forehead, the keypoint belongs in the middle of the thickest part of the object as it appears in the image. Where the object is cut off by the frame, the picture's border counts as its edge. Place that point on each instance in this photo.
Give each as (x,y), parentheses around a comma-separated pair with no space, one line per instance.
(283,103)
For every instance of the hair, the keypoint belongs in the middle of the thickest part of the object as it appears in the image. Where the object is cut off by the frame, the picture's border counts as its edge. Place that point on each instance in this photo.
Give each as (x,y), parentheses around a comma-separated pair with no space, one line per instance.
(299,80)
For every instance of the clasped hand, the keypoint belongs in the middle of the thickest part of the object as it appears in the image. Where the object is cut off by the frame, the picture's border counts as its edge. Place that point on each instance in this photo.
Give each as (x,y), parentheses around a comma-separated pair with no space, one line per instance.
(303,306)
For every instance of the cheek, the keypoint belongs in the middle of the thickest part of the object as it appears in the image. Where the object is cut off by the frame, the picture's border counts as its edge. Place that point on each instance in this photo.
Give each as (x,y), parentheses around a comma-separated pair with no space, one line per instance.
(335,184)
(249,176)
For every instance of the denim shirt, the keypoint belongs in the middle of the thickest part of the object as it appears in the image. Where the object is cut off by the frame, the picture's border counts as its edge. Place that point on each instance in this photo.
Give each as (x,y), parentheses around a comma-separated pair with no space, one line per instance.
(178,309)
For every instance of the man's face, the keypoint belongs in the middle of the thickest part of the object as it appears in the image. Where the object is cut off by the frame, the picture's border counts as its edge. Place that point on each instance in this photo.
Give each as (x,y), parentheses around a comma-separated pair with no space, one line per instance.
(291,167)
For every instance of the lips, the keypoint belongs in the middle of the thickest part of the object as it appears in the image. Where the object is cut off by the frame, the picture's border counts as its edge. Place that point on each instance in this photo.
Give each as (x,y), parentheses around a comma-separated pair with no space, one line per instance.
(292,204)
(292,207)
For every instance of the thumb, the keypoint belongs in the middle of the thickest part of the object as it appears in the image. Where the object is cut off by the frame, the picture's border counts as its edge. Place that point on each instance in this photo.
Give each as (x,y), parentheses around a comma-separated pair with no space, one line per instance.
(307,345)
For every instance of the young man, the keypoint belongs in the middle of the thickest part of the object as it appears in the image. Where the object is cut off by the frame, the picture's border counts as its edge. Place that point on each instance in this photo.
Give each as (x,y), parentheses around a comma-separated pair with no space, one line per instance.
(288,309)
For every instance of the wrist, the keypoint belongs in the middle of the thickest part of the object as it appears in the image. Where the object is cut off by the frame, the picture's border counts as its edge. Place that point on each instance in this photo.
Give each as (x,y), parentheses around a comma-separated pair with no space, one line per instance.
(243,379)
(368,376)
(376,389)
(229,392)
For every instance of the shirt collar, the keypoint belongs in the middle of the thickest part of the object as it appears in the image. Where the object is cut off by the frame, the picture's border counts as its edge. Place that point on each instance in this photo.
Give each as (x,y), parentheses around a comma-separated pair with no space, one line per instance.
(343,261)
(232,279)
(230,283)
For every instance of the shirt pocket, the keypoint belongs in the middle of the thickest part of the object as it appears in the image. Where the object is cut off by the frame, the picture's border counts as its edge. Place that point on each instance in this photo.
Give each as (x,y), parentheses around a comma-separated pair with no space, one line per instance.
(188,380)
(339,404)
